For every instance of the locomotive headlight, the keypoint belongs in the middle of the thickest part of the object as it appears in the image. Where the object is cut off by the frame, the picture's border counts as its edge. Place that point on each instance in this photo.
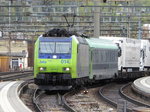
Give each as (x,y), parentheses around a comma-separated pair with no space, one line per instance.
(42,68)
(54,56)
(67,69)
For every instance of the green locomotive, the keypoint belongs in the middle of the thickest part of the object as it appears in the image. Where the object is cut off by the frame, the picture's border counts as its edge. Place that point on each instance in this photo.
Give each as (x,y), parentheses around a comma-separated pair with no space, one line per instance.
(74,60)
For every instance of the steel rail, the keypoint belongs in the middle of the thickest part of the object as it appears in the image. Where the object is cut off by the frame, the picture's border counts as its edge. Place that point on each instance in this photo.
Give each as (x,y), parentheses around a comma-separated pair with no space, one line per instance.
(66,105)
(4,73)
(110,101)
(106,99)
(36,95)
(131,99)
(10,76)
(23,86)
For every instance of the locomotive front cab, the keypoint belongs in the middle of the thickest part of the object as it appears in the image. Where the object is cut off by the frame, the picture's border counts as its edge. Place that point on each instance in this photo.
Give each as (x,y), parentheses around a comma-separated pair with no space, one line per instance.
(54,60)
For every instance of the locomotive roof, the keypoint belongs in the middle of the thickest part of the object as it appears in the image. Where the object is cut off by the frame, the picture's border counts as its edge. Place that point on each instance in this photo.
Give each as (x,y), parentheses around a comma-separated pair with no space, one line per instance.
(47,39)
(101,43)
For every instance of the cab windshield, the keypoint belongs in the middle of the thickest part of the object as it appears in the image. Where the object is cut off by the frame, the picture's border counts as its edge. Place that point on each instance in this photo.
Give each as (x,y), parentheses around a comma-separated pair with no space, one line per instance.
(55,47)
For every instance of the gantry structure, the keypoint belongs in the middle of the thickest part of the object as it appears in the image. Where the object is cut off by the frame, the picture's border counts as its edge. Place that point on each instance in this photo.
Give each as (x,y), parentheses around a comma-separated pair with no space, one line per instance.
(26,19)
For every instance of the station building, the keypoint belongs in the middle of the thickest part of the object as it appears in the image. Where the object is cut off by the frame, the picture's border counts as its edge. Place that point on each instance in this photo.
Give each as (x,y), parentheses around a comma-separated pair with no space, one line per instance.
(13,55)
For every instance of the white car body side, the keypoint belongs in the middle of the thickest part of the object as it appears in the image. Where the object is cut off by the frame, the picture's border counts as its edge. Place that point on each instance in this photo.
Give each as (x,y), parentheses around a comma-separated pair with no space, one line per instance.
(145,54)
(130,52)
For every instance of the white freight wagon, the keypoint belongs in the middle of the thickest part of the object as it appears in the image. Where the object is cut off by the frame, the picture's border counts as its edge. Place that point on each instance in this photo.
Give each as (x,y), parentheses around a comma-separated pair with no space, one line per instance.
(128,54)
(145,54)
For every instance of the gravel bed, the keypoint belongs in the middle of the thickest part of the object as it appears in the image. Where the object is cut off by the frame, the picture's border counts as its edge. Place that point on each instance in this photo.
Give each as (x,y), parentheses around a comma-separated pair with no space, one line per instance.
(89,102)
(49,103)
(26,97)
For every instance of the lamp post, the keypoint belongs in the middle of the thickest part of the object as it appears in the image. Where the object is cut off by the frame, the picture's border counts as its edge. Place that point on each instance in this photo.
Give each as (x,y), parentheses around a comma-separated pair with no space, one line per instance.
(139,25)
(96,21)
(9,41)
(24,56)
(128,31)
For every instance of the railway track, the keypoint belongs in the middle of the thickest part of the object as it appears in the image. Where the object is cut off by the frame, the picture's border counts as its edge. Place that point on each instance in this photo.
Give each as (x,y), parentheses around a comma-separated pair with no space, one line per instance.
(6,76)
(80,101)
(114,94)
(48,102)
(127,92)
(74,101)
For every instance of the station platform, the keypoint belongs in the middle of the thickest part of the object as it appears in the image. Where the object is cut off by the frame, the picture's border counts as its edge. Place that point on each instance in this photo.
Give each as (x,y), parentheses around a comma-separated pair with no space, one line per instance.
(142,86)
